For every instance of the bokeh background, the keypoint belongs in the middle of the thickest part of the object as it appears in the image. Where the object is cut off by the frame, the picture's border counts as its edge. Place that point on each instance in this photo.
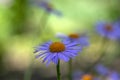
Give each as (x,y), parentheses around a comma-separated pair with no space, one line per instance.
(24,25)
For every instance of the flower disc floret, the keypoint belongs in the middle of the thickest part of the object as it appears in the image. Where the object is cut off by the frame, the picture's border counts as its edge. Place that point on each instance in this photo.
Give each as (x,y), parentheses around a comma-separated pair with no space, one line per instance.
(108,28)
(57,47)
(74,36)
(87,77)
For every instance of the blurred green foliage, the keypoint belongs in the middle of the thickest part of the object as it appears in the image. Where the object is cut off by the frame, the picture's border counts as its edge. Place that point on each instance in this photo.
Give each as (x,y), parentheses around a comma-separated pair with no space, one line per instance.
(19,13)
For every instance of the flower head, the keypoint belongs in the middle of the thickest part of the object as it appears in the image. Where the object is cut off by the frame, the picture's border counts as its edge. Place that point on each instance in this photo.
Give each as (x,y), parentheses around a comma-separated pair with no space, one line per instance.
(54,51)
(77,75)
(48,7)
(110,74)
(109,30)
(114,76)
(81,39)
(102,70)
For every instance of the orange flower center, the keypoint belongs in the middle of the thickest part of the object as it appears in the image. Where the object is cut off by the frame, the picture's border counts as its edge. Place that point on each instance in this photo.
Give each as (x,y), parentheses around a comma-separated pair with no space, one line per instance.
(57,47)
(87,77)
(74,36)
(108,27)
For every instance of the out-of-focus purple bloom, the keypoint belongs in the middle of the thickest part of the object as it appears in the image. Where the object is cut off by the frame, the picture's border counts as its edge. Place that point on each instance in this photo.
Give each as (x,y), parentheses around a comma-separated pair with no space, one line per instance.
(109,30)
(82,40)
(102,70)
(77,75)
(54,51)
(111,75)
(114,76)
(96,78)
(48,7)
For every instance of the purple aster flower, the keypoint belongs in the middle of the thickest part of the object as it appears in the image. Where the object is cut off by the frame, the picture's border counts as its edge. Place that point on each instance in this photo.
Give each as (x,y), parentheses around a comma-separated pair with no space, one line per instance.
(96,78)
(109,30)
(102,70)
(54,51)
(81,39)
(111,75)
(48,7)
(77,75)
(114,76)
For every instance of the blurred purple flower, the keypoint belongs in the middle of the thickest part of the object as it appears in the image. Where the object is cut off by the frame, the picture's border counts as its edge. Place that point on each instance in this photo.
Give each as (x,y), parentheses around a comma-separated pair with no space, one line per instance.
(82,39)
(96,78)
(111,75)
(77,75)
(102,70)
(54,51)
(48,7)
(109,30)
(114,76)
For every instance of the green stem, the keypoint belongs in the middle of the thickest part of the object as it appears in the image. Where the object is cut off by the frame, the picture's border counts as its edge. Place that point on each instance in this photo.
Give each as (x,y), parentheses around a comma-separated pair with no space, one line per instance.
(70,70)
(28,73)
(58,70)
(43,21)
